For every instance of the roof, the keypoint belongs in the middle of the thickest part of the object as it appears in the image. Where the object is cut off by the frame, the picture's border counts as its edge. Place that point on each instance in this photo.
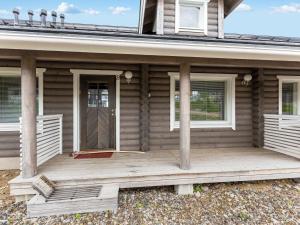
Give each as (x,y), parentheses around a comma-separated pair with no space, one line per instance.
(76,29)
(126,40)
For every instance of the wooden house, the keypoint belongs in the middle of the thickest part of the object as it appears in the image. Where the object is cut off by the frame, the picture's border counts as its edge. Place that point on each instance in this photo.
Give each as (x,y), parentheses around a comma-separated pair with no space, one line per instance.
(179,101)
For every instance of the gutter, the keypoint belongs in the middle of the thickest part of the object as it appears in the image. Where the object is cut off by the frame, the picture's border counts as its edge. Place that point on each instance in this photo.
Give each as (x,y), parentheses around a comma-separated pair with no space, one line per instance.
(131,46)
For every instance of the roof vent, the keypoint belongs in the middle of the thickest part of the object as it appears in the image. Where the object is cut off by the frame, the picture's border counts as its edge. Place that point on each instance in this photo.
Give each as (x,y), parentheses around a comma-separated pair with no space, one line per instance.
(54,16)
(62,20)
(43,15)
(30,18)
(16,13)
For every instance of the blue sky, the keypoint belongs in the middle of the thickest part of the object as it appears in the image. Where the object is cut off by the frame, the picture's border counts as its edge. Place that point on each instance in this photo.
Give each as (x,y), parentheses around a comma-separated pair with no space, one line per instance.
(270,17)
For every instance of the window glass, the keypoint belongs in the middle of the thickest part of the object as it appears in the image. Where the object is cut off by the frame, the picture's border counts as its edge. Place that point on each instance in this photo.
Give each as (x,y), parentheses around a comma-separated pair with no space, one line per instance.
(189,16)
(207,101)
(98,95)
(10,99)
(289,98)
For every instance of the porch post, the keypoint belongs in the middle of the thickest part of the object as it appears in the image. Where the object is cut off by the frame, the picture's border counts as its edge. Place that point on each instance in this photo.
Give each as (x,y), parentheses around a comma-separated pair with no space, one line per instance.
(185,87)
(28,89)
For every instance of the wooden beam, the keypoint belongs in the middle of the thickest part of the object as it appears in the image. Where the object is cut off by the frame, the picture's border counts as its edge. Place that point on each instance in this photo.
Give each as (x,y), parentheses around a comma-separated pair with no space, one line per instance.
(144,108)
(185,142)
(258,108)
(28,89)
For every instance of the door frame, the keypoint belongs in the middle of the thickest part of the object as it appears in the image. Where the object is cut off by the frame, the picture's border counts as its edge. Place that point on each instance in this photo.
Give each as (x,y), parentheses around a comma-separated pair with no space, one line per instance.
(76,103)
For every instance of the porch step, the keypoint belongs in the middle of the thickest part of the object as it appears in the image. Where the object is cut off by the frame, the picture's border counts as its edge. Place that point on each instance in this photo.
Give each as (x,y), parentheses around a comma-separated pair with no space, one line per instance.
(75,200)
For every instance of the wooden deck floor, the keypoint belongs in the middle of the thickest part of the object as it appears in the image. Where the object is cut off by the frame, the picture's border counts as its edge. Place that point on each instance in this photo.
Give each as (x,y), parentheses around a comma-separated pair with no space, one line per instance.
(157,168)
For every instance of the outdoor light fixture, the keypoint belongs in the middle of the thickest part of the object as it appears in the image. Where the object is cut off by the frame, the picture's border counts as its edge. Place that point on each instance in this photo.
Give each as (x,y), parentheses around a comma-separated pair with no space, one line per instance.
(128,76)
(247,79)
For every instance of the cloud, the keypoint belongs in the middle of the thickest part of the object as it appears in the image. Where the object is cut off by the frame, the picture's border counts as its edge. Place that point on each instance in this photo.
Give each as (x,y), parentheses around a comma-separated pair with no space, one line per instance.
(91,12)
(4,12)
(119,10)
(68,8)
(290,8)
(244,7)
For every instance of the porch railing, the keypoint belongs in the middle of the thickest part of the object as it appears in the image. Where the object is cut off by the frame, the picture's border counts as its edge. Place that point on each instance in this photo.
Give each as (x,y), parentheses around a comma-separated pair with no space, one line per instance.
(282,134)
(49,138)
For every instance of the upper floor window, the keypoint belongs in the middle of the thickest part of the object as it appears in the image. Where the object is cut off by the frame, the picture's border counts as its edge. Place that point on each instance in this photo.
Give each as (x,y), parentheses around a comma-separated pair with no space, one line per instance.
(191,15)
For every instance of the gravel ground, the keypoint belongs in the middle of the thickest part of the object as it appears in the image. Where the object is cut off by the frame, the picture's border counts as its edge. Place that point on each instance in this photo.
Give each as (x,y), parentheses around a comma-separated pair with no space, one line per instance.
(269,202)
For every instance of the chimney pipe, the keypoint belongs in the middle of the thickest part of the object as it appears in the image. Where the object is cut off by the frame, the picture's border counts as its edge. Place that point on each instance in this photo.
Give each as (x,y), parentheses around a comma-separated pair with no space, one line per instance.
(54,15)
(43,16)
(16,13)
(30,17)
(62,20)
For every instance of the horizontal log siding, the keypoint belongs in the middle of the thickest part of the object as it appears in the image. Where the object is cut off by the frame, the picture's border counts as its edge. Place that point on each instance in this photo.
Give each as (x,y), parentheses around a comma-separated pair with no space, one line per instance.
(58,99)
(169,18)
(161,137)
(129,114)
(9,144)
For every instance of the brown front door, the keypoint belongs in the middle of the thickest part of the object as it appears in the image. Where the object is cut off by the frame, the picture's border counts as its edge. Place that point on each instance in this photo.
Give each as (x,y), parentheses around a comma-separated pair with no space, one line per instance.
(97,112)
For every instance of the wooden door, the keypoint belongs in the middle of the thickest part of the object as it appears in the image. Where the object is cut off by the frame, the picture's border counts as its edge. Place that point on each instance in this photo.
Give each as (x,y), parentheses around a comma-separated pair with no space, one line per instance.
(97,112)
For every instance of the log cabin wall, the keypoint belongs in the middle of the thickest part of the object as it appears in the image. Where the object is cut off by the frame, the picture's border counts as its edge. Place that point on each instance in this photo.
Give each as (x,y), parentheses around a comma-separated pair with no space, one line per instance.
(169,18)
(58,99)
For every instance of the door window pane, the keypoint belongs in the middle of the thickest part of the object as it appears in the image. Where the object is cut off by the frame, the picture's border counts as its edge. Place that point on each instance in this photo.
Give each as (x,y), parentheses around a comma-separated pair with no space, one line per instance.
(207,101)
(98,95)
(289,98)
(189,16)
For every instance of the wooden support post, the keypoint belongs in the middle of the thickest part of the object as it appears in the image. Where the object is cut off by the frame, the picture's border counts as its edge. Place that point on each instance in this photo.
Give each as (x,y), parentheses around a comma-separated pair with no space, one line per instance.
(258,107)
(185,89)
(144,108)
(28,89)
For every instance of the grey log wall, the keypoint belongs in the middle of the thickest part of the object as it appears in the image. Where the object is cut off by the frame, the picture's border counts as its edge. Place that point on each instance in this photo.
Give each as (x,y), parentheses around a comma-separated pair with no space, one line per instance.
(58,99)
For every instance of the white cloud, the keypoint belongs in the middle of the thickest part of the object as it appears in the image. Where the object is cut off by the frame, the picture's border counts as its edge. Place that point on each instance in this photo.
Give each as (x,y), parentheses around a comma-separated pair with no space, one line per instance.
(4,12)
(244,7)
(119,10)
(69,8)
(91,12)
(290,8)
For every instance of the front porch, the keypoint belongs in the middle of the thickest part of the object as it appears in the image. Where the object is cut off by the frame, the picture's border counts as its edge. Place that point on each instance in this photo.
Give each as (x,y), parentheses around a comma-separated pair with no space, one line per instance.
(159,168)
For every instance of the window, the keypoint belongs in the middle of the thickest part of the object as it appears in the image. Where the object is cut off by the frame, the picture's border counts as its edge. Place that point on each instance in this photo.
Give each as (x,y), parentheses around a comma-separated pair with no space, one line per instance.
(98,95)
(10,97)
(289,95)
(212,100)
(191,15)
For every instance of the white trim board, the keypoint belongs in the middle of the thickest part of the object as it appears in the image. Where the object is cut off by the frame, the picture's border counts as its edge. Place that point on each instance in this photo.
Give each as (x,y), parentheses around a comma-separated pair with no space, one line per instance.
(13,71)
(76,103)
(230,122)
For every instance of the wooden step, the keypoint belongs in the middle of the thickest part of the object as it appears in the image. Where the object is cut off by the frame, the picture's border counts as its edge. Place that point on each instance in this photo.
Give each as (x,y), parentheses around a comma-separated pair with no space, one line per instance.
(85,201)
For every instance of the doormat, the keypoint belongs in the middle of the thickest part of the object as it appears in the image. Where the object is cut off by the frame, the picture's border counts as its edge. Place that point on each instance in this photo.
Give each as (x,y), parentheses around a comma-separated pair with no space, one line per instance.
(91,154)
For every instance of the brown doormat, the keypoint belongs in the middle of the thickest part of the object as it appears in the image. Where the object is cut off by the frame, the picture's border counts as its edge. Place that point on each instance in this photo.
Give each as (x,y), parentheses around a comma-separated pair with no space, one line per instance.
(92,154)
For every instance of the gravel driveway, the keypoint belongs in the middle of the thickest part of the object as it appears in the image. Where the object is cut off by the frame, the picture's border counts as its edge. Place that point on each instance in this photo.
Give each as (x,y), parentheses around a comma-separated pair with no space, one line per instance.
(270,202)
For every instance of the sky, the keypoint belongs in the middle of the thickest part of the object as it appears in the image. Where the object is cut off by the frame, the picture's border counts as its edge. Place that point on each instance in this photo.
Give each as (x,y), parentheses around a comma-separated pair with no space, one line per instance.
(265,17)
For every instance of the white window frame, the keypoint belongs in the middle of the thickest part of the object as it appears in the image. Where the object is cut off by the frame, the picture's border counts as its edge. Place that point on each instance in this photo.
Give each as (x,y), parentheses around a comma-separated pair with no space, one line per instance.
(16,72)
(287,79)
(203,16)
(229,107)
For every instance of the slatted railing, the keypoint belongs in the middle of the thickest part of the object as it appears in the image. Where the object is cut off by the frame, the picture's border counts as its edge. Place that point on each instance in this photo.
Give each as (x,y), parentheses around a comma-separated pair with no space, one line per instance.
(49,137)
(282,134)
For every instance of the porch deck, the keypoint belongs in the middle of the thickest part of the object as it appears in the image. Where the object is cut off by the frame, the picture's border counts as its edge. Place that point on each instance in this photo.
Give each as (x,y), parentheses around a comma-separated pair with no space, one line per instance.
(157,168)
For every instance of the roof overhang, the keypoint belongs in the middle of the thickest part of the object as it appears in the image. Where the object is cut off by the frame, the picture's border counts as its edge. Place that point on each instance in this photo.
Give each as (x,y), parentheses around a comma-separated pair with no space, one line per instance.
(132,46)
(230,5)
